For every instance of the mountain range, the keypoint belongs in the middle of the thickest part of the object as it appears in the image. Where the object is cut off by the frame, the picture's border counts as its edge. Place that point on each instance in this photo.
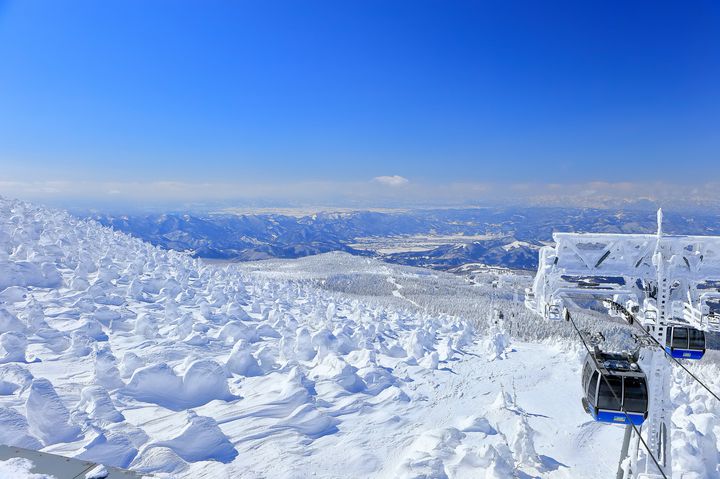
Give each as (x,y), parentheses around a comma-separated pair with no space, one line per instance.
(435,238)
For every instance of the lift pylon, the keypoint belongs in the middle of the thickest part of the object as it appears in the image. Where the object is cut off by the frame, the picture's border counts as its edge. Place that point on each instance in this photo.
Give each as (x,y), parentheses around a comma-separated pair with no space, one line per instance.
(657,279)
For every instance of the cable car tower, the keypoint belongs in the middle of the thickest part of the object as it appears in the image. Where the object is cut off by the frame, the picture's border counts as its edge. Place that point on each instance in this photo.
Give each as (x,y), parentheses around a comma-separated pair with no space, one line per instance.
(665,282)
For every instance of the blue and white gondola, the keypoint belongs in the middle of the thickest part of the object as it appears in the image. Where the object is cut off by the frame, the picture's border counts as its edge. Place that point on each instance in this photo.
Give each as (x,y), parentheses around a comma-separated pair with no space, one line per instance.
(615,388)
(684,342)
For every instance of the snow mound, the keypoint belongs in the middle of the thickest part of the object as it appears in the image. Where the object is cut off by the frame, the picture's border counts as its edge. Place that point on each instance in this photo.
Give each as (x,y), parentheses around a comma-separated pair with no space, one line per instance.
(106,371)
(157,460)
(442,453)
(14,378)
(14,347)
(200,440)
(24,274)
(335,371)
(129,364)
(237,330)
(47,416)
(242,362)
(14,430)
(477,424)
(308,421)
(98,405)
(10,322)
(203,381)
(109,448)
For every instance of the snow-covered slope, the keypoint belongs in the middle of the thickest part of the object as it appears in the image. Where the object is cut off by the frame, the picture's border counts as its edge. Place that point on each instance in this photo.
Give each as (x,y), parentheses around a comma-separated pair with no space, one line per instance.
(124,354)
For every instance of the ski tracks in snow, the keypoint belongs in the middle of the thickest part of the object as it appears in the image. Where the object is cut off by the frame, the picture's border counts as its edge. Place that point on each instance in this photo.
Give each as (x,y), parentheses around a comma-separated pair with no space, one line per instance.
(397,293)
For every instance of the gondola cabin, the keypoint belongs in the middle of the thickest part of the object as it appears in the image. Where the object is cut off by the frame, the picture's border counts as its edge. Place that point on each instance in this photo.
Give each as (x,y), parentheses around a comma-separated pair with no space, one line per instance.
(615,388)
(553,310)
(684,342)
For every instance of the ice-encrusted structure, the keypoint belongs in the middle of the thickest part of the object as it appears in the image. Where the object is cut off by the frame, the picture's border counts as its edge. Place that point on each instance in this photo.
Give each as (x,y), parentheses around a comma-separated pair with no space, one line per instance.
(48,417)
(14,346)
(203,381)
(97,403)
(242,361)
(200,440)
(14,430)
(112,448)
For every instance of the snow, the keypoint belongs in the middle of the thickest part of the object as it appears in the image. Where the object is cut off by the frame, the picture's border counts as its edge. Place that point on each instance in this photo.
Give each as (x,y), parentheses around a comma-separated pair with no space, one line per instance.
(120,353)
(97,404)
(200,440)
(14,430)
(97,472)
(20,468)
(518,244)
(47,416)
(203,381)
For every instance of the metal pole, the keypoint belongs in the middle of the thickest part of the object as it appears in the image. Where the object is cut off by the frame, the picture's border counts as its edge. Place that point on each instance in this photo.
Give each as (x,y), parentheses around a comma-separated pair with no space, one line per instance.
(624,451)
(659,372)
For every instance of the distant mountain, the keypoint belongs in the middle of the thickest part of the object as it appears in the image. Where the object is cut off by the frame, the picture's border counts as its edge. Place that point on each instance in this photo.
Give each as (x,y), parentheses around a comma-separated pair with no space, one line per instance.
(506,251)
(441,239)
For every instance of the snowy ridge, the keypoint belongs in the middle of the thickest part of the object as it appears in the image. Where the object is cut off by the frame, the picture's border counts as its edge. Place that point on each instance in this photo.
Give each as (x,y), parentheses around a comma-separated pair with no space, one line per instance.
(118,352)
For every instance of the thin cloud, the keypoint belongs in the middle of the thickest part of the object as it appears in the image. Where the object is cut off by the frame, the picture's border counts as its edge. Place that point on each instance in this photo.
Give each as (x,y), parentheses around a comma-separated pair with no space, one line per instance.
(383,191)
(395,180)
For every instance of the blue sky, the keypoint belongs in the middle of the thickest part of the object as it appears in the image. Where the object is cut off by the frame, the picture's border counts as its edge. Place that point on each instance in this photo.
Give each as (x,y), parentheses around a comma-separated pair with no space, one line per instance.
(275,98)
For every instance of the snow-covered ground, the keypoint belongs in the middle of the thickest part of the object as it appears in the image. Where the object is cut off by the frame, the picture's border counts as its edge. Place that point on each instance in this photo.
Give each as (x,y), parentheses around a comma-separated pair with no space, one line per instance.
(332,366)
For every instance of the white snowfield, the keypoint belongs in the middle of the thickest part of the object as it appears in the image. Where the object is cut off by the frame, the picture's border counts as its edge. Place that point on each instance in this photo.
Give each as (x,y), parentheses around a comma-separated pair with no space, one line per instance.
(117,352)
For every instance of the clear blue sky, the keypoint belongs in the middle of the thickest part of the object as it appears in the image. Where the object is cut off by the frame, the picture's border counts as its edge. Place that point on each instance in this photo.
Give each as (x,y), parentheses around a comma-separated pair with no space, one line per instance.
(436,92)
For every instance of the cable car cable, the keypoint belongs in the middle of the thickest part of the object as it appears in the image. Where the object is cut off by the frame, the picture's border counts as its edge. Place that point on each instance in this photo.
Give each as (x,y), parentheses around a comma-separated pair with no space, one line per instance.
(647,448)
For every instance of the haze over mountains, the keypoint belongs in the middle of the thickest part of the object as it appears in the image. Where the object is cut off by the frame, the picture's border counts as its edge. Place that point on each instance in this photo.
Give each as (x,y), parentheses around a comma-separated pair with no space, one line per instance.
(436,238)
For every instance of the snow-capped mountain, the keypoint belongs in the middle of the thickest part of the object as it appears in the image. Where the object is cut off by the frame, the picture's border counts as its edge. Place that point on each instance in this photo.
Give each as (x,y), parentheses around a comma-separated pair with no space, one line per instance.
(440,239)
(123,353)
